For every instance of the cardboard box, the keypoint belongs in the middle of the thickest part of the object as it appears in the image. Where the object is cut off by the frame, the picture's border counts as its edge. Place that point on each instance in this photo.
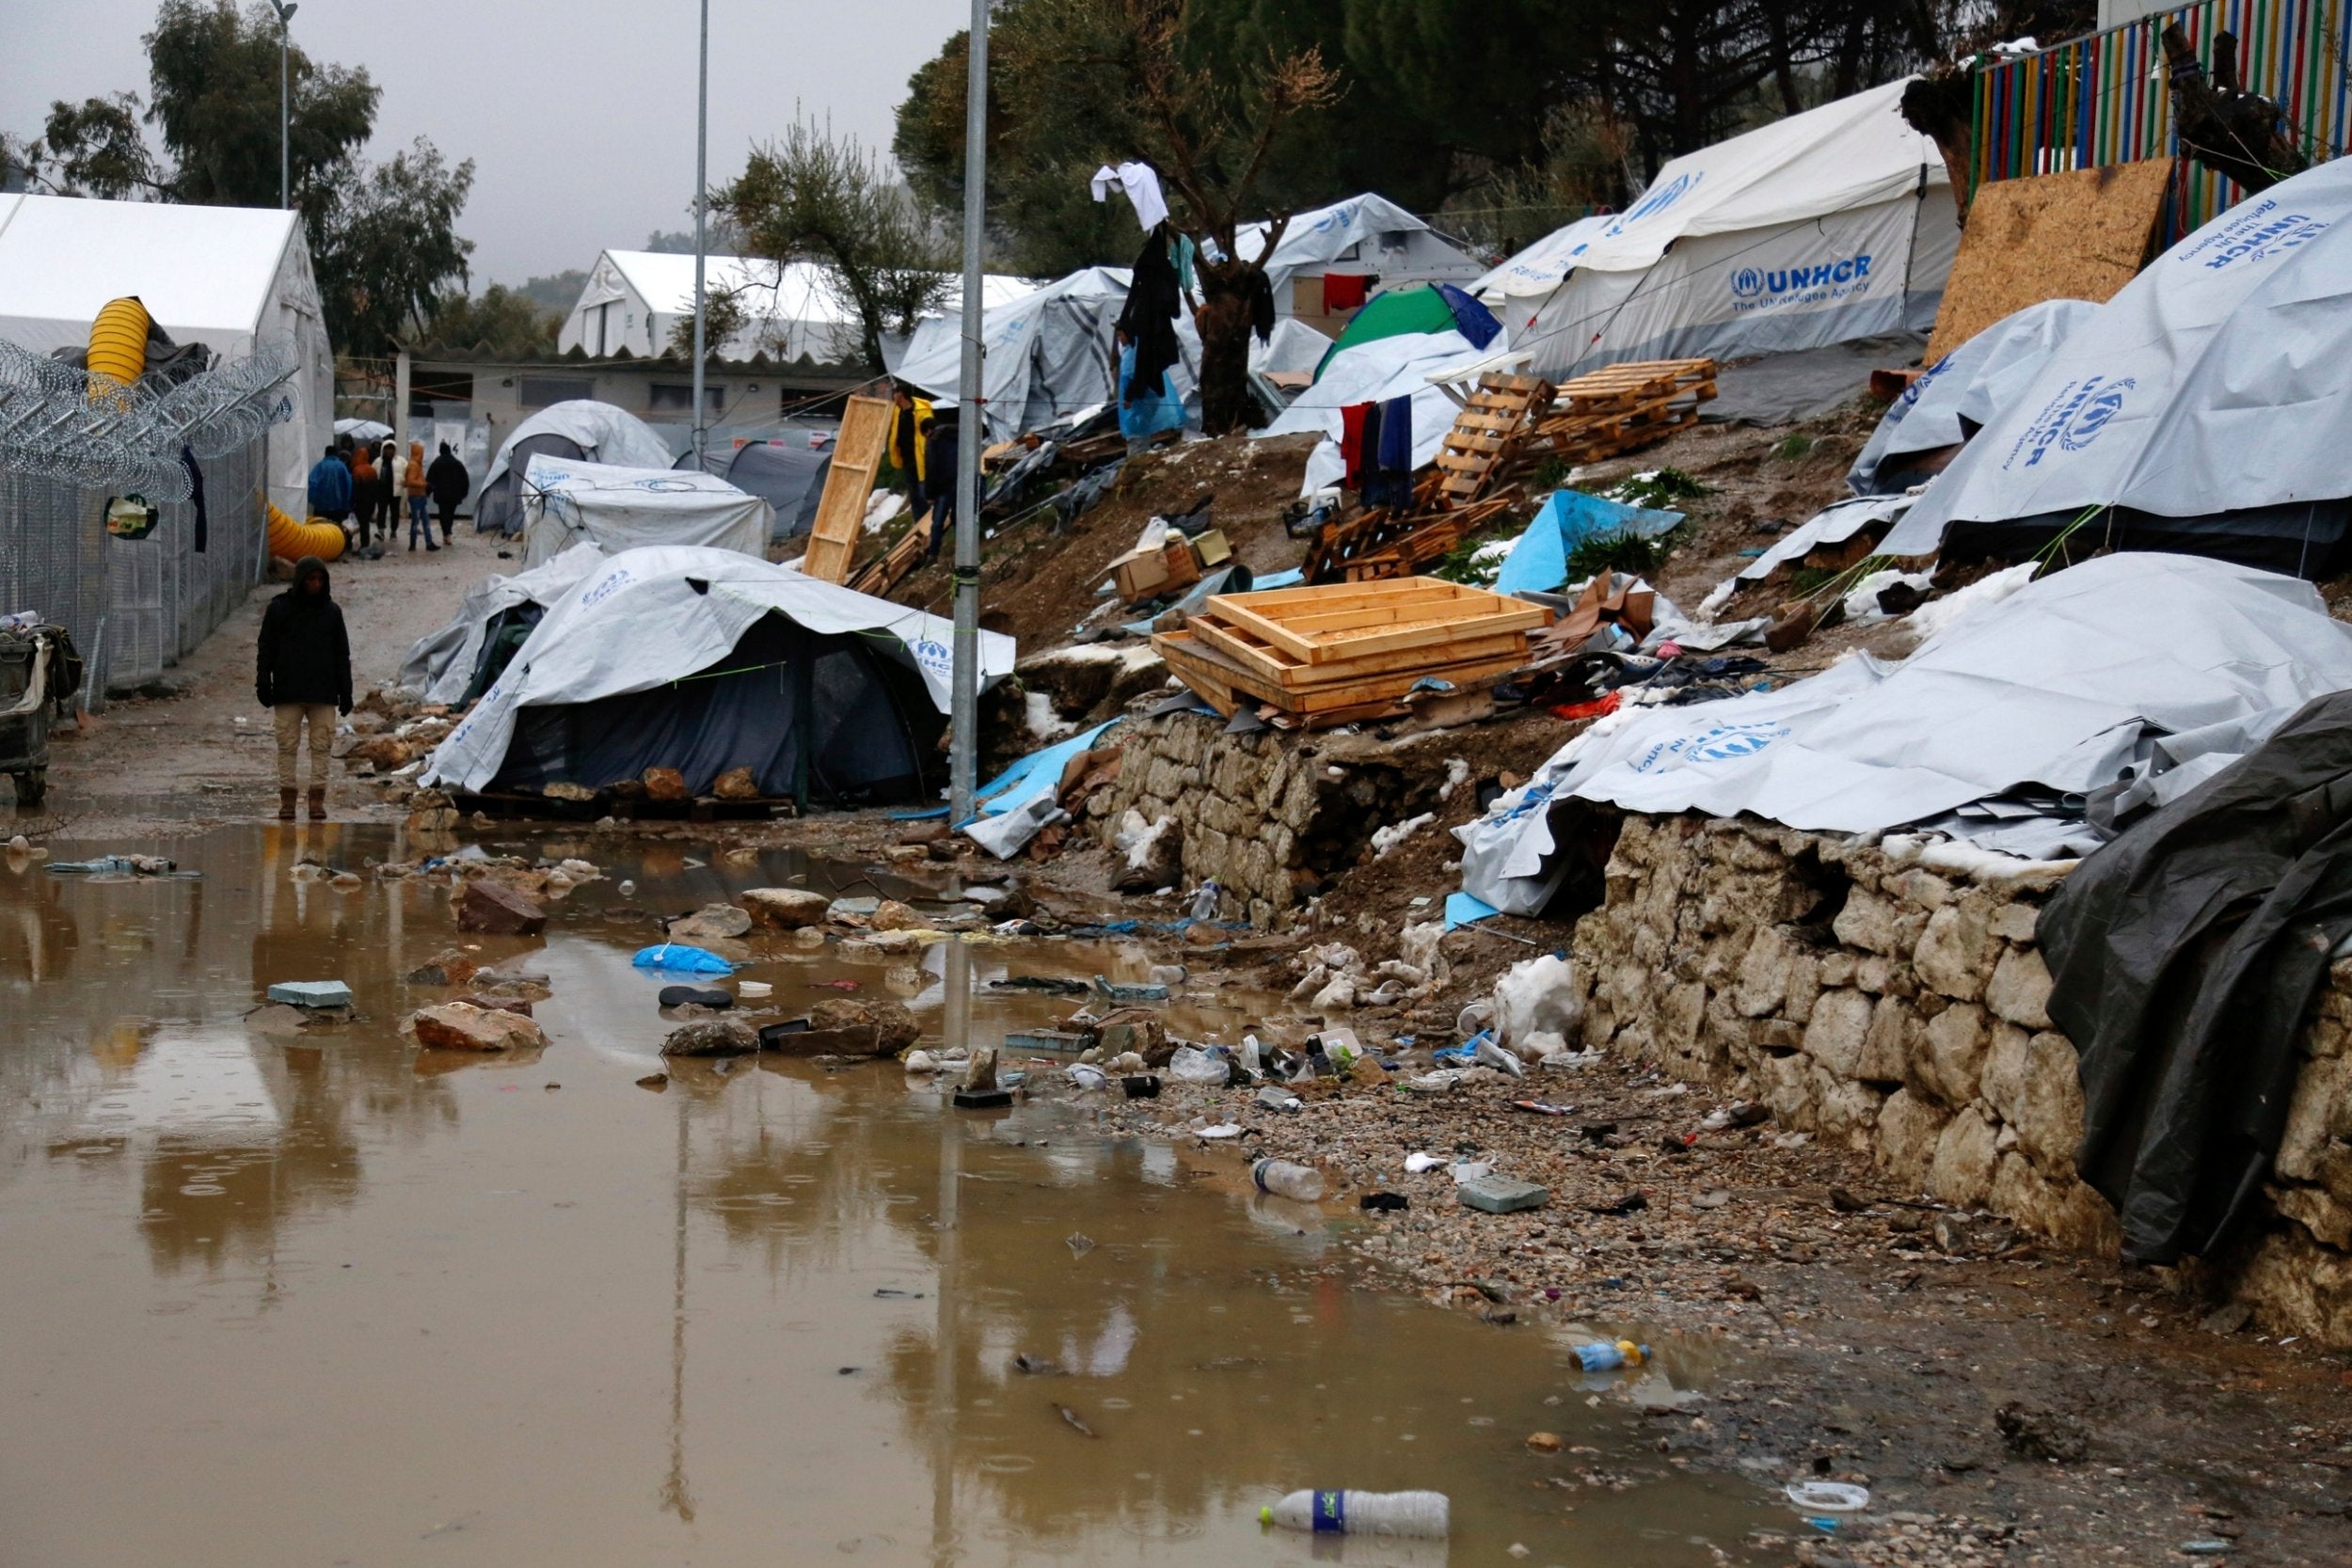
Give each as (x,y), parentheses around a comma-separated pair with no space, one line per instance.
(1209,546)
(1168,569)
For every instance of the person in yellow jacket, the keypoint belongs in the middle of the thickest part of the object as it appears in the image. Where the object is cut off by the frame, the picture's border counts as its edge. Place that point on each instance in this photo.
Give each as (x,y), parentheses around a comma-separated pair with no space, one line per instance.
(412,481)
(906,445)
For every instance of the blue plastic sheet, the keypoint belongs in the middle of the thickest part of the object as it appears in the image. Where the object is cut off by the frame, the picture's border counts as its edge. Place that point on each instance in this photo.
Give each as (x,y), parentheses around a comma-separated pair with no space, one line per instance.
(679,959)
(1539,561)
(1030,776)
(1464,909)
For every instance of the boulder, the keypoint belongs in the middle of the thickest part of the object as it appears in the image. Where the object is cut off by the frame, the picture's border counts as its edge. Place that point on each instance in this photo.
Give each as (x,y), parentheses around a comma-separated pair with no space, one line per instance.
(665,784)
(563,790)
(488,907)
(709,923)
(784,908)
(891,915)
(2019,987)
(1908,1127)
(450,967)
(715,1036)
(893,1025)
(518,1005)
(1965,1157)
(463,1026)
(735,783)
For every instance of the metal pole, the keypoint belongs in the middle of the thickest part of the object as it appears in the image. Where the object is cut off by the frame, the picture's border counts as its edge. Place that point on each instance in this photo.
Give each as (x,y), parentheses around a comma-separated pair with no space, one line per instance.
(962,762)
(285,108)
(702,213)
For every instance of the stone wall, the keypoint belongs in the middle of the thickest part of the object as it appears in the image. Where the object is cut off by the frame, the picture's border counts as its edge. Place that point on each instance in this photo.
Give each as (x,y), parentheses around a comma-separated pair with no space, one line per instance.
(1269,816)
(1893,999)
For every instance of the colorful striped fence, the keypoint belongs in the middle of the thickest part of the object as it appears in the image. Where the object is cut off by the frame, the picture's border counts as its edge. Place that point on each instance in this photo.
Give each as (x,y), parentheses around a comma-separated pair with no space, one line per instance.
(2101,99)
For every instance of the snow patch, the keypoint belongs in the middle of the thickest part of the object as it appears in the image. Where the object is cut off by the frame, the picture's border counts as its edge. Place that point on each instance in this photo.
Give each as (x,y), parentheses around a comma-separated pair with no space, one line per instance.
(1939,615)
(1388,838)
(1036,712)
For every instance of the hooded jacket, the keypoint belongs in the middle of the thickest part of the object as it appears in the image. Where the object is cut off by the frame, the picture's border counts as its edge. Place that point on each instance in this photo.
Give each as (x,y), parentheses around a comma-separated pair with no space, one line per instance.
(303,655)
(446,478)
(330,486)
(415,479)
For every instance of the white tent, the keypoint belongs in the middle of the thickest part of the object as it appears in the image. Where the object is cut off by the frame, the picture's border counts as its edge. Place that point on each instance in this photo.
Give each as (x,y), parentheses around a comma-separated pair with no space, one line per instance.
(2218,381)
(1833,223)
(1046,354)
(1410,364)
(1963,391)
(236,280)
(581,428)
(566,503)
(1365,235)
(650,618)
(441,665)
(634,300)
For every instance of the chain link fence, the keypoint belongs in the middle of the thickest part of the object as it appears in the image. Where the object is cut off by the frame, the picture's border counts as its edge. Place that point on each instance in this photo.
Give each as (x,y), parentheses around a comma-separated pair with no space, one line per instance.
(134,606)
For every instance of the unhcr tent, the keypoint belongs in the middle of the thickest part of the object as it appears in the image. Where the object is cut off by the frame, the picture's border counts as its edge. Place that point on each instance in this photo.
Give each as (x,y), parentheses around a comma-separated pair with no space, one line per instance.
(236,280)
(449,665)
(788,475)
(1366,237)
(584,430)
(566,503)
(1833,223)
(706,661)
(2203,408)
(1960,394)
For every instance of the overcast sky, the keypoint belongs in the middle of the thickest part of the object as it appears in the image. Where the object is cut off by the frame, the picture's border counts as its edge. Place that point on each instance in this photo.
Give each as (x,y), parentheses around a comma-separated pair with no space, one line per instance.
(578,114)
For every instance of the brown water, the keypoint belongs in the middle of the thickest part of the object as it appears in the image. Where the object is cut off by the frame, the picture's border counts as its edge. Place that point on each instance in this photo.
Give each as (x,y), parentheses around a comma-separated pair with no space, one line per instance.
(292,1297)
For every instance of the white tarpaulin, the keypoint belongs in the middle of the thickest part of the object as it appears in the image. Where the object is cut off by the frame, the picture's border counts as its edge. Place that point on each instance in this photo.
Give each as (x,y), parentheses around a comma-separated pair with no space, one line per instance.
(236,280)
(602,433)
(1833,223)
(1375,371)
(2103,674)
(1367,236)
(647,618)
(1968,387)
(440,666)
(567,503)
(2218,379)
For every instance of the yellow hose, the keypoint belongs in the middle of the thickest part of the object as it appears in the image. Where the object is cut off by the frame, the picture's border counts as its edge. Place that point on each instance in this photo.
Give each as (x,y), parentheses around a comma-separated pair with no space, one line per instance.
(291,541)
(118,342)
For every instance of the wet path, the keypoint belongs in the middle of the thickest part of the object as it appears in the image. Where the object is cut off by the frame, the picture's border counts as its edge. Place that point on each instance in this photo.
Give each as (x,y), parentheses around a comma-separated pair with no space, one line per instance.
(298,1298)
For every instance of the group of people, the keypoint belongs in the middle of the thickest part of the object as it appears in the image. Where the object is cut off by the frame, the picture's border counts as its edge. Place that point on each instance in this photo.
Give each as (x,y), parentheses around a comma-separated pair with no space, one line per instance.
(358,486)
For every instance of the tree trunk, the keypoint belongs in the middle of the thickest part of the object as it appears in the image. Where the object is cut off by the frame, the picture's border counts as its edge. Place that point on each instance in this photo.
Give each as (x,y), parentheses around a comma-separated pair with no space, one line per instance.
(2230,131)
(1942,104)
(1223,320)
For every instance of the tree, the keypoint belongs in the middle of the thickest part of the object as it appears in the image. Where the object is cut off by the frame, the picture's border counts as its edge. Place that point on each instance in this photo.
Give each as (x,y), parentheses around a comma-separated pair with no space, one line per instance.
(724,314)
(812,196)
(506,323)
(388,246)
(213,84)
(95,148)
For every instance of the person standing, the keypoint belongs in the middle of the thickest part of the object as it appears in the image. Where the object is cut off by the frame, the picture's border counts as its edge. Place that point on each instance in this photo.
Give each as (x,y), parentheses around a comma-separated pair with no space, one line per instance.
(448,482)
(365,492)
(910,418)
(302,675)
(413,484)
(390,468)
(331,487)
(943,441)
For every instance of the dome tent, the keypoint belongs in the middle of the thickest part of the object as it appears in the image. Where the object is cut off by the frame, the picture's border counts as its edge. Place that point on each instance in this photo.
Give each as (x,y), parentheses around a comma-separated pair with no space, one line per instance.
(582,429)
(706,661)
(566,503)
(446,665)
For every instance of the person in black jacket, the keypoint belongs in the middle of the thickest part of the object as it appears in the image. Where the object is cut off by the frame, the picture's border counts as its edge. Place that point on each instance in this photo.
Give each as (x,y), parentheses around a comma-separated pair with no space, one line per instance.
(943,443)
(302,673)
(447,483)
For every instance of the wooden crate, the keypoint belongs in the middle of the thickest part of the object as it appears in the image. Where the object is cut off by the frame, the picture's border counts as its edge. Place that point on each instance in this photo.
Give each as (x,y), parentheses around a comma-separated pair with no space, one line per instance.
(1487,434)
(1619,409)
(1346,621)
(1228,683)
(857,454)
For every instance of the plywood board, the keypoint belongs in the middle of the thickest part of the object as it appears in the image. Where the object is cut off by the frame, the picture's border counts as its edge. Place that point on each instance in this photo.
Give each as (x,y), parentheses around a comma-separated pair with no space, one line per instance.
(857,454)
(2081,234)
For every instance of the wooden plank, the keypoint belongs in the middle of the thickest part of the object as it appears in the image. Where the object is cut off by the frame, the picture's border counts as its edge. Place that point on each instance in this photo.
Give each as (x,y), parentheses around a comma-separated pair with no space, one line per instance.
(1418,658)
(857,455)
(1298,636)
(1187,656)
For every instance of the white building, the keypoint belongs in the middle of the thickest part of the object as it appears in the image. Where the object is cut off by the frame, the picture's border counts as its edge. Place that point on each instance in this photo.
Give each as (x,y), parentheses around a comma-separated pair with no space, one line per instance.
(236,280)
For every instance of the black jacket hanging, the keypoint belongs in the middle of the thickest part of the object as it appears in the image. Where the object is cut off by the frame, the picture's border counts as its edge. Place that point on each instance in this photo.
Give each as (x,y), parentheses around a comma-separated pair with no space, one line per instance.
(1148,317)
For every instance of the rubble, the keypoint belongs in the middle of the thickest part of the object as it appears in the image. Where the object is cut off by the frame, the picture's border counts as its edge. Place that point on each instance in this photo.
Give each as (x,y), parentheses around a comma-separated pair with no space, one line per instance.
(465,1026)
(486,907)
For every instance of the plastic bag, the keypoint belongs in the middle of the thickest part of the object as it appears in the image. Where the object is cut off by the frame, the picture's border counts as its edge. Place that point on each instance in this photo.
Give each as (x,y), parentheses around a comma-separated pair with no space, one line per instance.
(678,957)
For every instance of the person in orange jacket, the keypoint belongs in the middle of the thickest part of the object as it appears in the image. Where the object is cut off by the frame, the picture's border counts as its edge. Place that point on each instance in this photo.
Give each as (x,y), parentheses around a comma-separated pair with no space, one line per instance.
(364,494)
(413,481)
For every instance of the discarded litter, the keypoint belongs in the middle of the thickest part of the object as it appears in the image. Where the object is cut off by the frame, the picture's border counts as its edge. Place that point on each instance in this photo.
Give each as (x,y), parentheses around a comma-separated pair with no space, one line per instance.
(1086,1075)
(312,993)
(1052,1041)
(1276,1100)
(754,990)
(1605,1356)
(1385,1203)
(1416,1163)
(694,996)
(122,865)
(1540,1108)
(1829,1497)
(1338,1512)
(1141,1085)
(1193,1065)
(676,955)
(1125,991)
(1500,1194)
(1222,1130)
(1283,1178)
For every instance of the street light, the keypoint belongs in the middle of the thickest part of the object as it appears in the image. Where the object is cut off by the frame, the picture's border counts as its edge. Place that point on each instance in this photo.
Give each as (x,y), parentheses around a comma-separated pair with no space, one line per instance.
(285,9)
(702,210)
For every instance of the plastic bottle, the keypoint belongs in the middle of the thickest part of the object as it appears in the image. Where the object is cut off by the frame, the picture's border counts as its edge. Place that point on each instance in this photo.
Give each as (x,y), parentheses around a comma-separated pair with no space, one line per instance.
(1420,1513)
(1252,1053)
(1603,1356)
(1284,1180)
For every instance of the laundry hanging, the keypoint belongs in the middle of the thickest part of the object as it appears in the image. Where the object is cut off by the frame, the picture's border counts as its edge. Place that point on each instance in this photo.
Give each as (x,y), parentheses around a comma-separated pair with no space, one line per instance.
(1149,318)
(1142,183)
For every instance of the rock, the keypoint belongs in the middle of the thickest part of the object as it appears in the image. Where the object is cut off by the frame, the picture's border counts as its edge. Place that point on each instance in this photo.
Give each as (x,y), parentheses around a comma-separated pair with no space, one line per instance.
(709,923)
(384,752)
(562,790)
(1951,1063)
(2043,1435)
(891,915)
(718,1036)
(784,908)
(432,819)
(518,1005)
(1839,1029)
(497,911)
(1546,1442)
(312,993)
(1499,1194)
(450,967)
(2319,1111)
(1951,952)
(1962,1171)
(463,1026)
(1973,1235)
(2049,1115)
(663,784)
(735,783)
(894,1026)
(1908,1127)
(2020,988)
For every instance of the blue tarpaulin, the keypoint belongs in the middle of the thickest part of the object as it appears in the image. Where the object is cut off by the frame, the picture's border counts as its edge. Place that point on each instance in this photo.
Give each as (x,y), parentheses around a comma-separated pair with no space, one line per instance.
(1034,774)
(1463,908)
(1539,561)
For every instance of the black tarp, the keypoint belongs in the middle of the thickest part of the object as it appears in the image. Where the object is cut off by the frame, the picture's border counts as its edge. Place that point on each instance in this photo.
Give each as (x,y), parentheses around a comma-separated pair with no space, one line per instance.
(2311,540)
(2186,956)
(789,477)
(830,718)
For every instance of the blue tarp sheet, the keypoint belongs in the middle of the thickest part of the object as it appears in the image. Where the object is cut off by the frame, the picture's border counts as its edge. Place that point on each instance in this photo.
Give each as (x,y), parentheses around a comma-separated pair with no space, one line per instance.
(1539,561)
(1034,774)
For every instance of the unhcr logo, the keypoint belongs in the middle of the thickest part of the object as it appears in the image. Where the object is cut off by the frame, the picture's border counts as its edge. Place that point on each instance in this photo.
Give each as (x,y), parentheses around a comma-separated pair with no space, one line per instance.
(1657,200)
(1755,283)
(2070,420)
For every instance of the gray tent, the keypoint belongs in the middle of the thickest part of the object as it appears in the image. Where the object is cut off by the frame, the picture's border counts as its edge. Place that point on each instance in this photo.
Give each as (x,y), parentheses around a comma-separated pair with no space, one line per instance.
(788,477)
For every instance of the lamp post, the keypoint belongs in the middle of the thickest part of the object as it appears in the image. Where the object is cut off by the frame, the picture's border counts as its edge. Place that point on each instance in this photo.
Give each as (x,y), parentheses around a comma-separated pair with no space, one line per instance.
(702,211)
(963,760)
(285,9)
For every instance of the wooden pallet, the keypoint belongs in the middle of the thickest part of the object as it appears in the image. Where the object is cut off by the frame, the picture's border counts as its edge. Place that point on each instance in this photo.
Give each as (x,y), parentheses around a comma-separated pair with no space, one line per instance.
(881,574)
(1229,685)
(857,454)
(1619,409)
(1487,434)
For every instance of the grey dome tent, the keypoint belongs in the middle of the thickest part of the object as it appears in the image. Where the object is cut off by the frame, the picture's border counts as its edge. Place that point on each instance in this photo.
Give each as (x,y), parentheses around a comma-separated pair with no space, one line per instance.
(788,477)
(582,429)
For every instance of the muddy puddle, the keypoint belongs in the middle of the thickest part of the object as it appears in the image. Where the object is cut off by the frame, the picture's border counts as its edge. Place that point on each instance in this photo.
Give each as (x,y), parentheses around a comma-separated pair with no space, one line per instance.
(297,1298)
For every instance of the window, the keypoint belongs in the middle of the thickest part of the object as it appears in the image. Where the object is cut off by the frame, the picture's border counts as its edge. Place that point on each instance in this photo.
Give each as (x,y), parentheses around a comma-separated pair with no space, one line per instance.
(538,391)
(673,397)
(428,388)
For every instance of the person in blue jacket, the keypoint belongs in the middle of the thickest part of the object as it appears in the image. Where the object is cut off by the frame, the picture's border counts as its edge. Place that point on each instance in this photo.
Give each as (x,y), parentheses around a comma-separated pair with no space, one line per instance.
(331,487)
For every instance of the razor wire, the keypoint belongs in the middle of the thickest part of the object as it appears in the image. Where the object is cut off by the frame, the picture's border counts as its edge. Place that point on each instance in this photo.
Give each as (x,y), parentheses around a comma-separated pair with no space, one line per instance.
(87,429)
